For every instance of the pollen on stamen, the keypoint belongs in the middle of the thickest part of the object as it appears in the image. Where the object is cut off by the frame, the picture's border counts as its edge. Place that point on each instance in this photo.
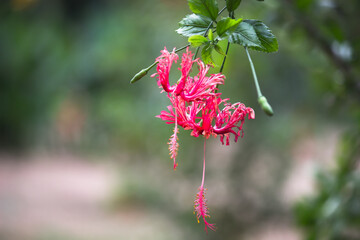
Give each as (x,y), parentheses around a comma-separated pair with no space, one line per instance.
(201,210)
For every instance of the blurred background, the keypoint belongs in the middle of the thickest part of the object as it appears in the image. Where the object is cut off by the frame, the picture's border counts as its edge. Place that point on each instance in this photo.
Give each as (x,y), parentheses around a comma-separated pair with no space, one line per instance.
(82,156)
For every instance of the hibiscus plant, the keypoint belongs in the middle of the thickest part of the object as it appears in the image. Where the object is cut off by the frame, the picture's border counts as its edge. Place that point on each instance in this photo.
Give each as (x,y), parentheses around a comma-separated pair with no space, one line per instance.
(196,103)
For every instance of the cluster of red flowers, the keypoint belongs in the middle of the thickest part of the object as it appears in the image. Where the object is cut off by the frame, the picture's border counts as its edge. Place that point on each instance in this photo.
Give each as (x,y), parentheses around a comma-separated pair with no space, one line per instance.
(195,105)
(195,102)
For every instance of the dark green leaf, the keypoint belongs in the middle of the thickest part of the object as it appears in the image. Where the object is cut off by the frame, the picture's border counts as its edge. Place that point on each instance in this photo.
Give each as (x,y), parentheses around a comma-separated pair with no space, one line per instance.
(219,50)
(255,35)
(197,40)
(206,53)
(227,24)
(268,40)
(244,35)
(207,8)
(232,5)
(193,25)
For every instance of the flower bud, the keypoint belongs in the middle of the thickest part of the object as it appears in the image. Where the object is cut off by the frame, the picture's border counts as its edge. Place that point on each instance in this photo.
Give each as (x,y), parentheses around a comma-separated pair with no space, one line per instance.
(266,107)
(139,75)
(143,72)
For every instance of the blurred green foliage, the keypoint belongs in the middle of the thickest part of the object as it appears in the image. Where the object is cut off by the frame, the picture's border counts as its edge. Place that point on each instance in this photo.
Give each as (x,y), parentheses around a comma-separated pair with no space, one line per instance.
(81,52)
(334,211)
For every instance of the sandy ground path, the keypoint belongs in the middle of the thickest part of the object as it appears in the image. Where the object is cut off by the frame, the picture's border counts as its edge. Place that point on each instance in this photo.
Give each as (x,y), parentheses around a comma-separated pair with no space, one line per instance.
(65,197)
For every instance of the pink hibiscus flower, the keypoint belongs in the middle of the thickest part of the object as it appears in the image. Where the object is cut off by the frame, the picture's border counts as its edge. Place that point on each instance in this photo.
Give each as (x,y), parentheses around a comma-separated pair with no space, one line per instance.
(195,106)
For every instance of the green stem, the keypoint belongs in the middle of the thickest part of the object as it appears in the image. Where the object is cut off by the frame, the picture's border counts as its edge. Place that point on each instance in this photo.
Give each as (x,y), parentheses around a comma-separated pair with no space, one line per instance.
(222,10)
(182,48)
(232,15)
(196,52)
(198,48)
(152,65)
(207,30)
(254,74)
(266,107)
(223,63)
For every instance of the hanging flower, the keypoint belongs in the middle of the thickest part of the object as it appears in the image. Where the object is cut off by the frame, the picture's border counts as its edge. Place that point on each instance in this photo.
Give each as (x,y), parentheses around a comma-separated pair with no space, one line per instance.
(189,88)
(204,117)
(195,106)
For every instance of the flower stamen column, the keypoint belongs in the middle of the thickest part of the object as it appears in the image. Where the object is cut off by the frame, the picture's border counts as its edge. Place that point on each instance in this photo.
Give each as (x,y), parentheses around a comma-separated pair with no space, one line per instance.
(200,204)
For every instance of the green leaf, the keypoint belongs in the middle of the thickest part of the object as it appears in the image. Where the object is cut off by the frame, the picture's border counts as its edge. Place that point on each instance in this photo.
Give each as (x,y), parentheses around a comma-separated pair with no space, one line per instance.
(219,50)
(208,8)
(197,40)
(206,53)
(193,25)
(227,24)
(232,5)
(211,36)
(255,35)
(268,41)
(244,35)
